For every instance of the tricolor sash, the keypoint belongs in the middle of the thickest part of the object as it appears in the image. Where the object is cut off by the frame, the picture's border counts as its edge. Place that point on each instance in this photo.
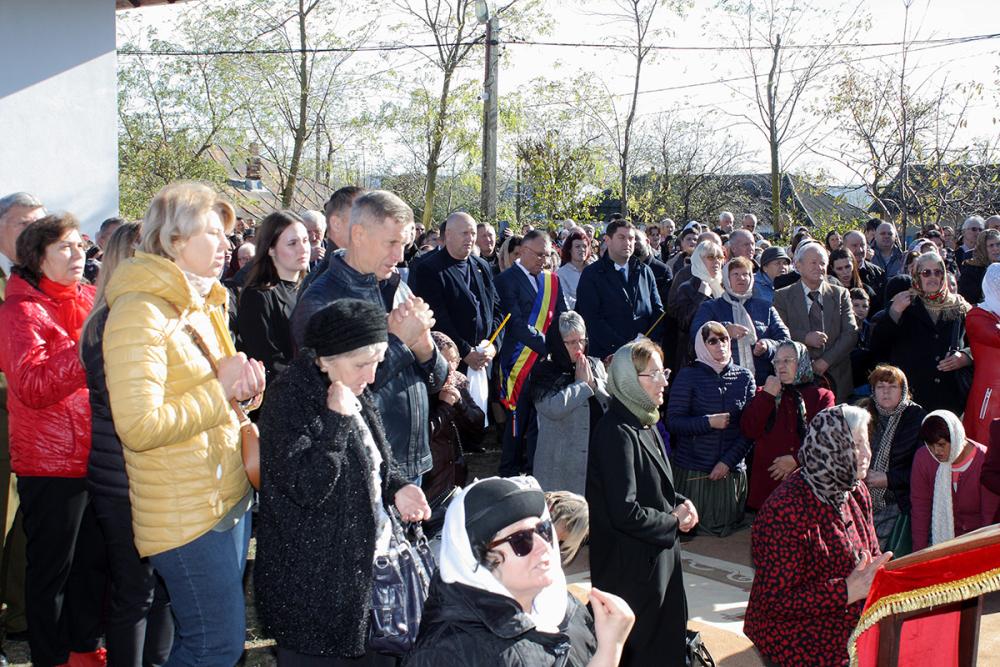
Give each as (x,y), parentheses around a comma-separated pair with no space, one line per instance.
(519,362)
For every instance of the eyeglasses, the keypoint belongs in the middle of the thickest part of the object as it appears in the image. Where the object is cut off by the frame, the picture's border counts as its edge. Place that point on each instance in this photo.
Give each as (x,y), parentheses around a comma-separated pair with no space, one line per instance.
(927,273)
(523,541)
(540,255)
(717,341)
(658,376)
(582,342)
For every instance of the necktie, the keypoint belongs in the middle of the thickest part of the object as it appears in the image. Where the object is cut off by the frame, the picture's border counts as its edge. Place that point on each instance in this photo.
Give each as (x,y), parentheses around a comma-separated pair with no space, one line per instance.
(815,312)
(624,275)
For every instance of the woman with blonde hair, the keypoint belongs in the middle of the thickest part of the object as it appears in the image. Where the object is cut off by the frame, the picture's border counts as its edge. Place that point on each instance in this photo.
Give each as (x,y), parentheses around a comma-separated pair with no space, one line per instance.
(140,629)
(171,372)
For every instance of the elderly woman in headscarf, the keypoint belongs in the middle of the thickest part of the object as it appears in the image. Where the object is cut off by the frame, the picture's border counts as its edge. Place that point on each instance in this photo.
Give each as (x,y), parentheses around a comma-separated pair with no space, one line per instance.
(706,404)
(636,516)
(569,390)
(499,597)
(893,436)
(814,548)
(923,334)
(705,283)
(327,481)
(982,325)
(754,327)
(777,417)
(946,493)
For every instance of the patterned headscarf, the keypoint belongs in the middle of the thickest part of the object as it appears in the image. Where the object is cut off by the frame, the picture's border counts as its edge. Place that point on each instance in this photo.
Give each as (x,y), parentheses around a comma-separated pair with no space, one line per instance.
(829,464)
(942,304)
(991,289)
(803,376)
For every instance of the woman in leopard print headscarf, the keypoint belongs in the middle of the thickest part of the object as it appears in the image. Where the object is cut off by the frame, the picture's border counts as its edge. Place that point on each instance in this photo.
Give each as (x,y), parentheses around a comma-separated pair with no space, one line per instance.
(814,547)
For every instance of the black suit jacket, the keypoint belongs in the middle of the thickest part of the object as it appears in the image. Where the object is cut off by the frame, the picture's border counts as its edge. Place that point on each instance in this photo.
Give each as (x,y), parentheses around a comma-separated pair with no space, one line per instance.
(439,280)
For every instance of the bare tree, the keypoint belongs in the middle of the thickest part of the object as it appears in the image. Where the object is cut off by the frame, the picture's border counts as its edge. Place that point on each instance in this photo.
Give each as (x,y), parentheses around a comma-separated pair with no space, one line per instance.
(787,51)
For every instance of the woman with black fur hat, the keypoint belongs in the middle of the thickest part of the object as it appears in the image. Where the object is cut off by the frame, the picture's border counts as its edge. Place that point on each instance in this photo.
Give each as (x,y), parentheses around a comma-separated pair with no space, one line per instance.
(327,476)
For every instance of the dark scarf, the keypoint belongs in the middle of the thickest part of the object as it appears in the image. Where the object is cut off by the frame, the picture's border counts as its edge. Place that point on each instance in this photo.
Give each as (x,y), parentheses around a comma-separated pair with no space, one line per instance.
(557,371)
(803,378)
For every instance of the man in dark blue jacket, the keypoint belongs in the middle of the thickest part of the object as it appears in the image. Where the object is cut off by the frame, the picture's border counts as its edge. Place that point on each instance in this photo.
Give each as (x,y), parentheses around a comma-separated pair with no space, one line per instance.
(522,289)
(617,295)
(380,225)
(458,287)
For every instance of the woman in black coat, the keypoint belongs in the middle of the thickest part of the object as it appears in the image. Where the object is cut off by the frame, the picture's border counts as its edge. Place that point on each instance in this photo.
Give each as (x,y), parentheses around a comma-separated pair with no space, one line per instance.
(140,628)
(636,517)
(327,476)
(705,283)
(269,296)
(922,332)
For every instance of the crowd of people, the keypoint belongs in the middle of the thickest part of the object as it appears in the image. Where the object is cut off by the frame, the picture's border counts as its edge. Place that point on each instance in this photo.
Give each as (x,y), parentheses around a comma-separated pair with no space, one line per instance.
(646,385)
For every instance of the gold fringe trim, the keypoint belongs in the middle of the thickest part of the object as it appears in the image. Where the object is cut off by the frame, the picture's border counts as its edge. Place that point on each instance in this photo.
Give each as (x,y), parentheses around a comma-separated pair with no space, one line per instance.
(923,598)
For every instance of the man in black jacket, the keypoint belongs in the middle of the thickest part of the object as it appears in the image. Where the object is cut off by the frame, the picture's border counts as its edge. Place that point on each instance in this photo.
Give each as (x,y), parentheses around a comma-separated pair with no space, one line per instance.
(458,287)
(380,225)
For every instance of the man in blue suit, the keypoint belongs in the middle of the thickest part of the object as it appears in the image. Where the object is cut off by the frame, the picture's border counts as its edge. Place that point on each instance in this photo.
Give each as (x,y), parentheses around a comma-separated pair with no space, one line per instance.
(458,287)
(525,290)
(617,295)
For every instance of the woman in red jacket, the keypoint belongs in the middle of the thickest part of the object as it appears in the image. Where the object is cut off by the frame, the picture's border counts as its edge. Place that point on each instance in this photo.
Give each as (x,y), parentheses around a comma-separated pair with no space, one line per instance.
(50,441)
(777,417)
(982,326)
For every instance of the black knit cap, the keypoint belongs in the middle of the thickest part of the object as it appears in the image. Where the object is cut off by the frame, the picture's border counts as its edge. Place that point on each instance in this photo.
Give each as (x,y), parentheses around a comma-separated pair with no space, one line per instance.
(344,326)
(494,504)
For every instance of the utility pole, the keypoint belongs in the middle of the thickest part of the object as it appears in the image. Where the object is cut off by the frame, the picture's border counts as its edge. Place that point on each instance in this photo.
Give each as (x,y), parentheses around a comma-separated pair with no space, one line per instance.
(488,203)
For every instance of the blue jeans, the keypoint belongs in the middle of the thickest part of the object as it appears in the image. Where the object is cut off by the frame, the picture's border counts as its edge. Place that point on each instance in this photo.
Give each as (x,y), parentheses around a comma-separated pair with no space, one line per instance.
(204,579)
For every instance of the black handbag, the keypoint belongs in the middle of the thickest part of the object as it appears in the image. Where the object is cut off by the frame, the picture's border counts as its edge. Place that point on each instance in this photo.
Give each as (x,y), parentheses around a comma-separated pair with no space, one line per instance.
(400,581)
(697,655)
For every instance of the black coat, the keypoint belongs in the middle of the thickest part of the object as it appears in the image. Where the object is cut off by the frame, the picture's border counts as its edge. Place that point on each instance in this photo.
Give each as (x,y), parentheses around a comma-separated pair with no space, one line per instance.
(905,443)
(316,526)
(466,314)
(263,323)
(106,466)
(464,626)
(634,547)
(970,283)
(916,345)
(616,311)
(685,307)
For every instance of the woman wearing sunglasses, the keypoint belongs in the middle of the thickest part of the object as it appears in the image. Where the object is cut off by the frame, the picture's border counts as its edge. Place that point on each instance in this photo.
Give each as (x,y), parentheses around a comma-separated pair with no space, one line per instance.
(923,333)
(499,597)
(706,405)
(636,517)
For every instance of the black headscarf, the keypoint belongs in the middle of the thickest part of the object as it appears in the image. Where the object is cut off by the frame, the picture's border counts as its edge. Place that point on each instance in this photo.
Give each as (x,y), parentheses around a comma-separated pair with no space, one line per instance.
(555,372)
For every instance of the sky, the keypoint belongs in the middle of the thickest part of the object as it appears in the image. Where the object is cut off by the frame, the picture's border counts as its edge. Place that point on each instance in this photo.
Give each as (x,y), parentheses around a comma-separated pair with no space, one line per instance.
(695,76)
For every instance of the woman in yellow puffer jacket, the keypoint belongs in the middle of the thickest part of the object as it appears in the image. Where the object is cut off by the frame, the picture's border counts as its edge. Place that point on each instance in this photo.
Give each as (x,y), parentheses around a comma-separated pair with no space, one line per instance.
(189,491)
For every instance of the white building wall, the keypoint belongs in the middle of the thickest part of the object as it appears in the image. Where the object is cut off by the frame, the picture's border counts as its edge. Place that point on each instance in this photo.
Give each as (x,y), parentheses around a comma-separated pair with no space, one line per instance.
(58,105)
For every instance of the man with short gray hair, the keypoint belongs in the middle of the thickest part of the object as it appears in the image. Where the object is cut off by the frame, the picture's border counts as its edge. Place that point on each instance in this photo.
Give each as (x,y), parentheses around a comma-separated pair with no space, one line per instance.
(971,229)
(315,224)
(379,228)
(741,244)
(726,221)
(17,211)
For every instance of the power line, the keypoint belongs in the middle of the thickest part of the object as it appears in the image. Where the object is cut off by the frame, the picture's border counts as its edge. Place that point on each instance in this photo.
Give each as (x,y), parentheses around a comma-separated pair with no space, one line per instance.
(943,41)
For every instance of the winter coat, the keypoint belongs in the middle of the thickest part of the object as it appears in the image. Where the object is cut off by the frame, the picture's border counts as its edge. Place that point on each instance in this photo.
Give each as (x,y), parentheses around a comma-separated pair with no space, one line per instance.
(767,326)
(983,404)
(803,551)
(47,387)
(916,345)
(452,426)
(634,537)
(182,441)
(464,626)
(972,505)
(564,433)
(316,522)
(698,392)
(685,306)
(402,383)
(614,310)
(106,474)
(263,325)
(905,444)
(783,437)
(970,282)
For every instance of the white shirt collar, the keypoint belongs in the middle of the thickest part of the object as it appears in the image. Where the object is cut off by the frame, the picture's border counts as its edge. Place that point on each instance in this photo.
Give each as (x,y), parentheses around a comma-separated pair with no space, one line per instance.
(532,279)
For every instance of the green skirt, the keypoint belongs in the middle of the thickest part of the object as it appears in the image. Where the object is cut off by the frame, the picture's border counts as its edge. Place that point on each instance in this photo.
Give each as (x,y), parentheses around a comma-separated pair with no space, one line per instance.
(719,503)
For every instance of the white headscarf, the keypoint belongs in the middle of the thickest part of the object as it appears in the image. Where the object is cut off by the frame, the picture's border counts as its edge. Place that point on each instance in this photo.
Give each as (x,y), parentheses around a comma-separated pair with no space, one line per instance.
(991,289)
(942,518)
(457,564)
(713,284)
(742,317)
